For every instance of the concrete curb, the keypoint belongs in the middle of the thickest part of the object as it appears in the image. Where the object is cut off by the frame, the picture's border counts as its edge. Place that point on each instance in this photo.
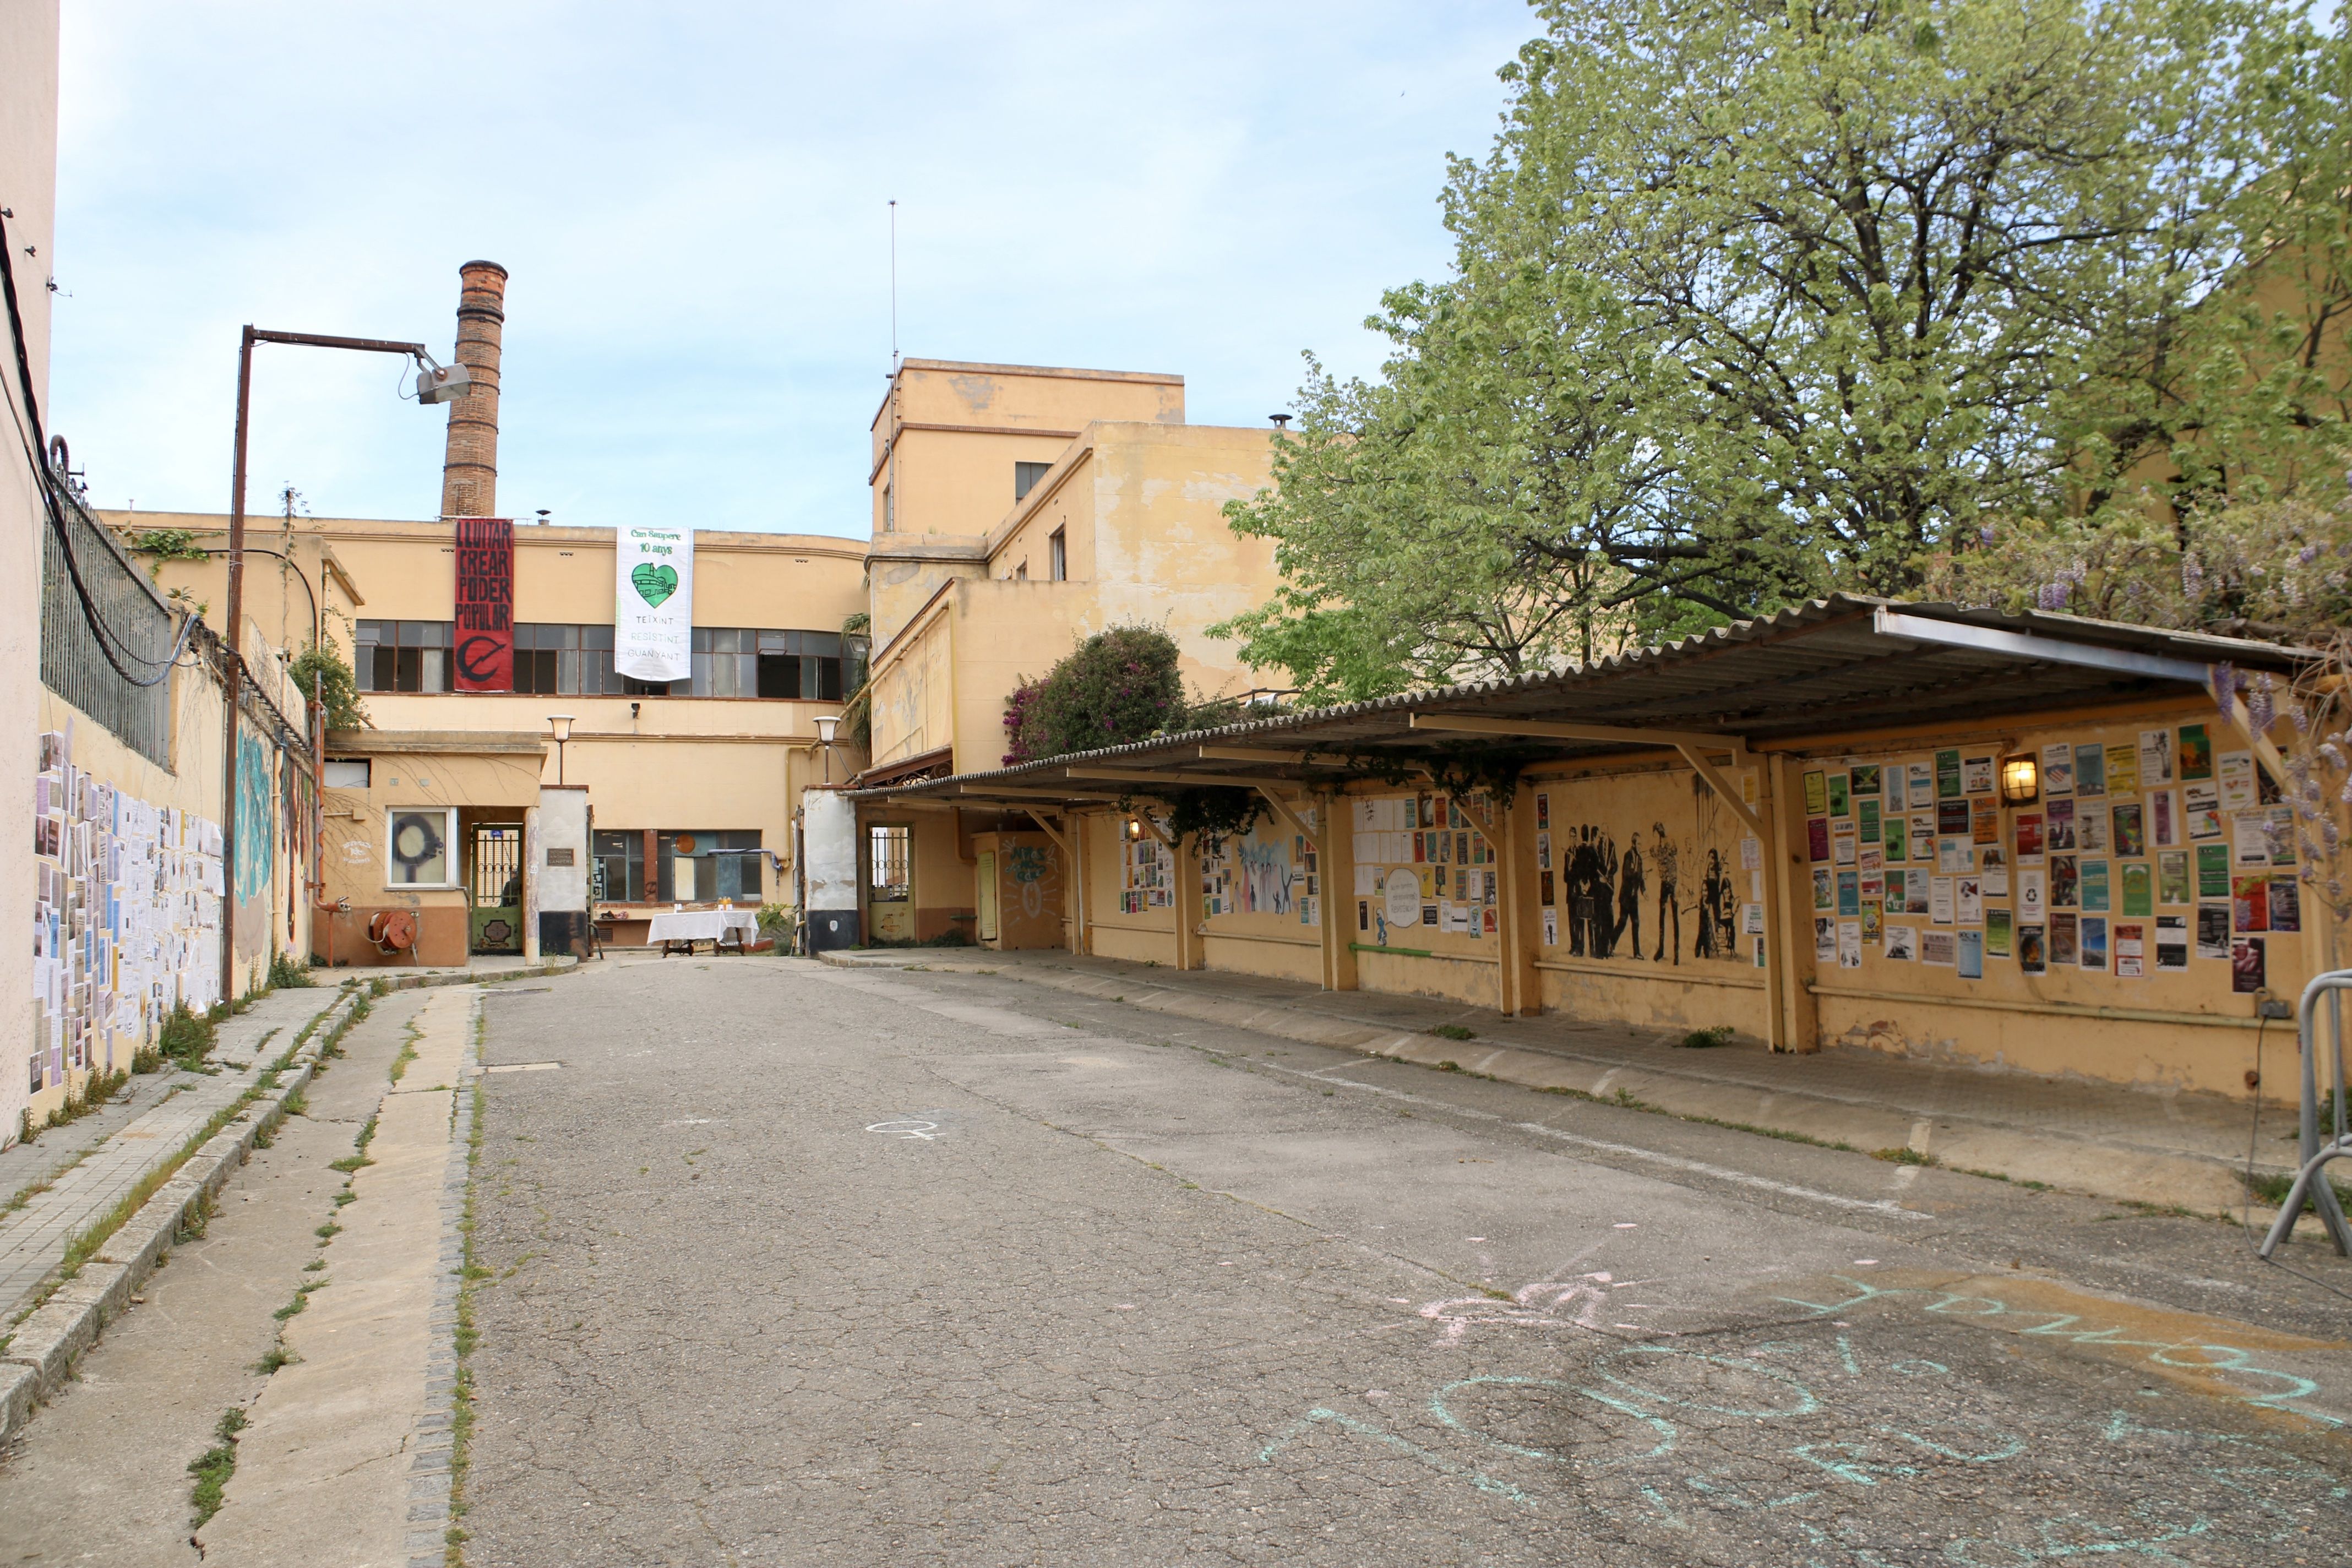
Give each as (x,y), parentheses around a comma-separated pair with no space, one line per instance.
(2108,1170)
(42,1350)
(433,1441)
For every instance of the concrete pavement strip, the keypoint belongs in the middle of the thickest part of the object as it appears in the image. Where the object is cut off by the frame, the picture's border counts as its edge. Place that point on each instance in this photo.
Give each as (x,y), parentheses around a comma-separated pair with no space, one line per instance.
(2147,1163)
(345,1457)
(38,1354)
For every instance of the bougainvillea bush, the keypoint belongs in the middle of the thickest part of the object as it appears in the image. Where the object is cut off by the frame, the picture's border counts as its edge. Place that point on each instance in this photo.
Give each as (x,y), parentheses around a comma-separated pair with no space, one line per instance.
(1116,686)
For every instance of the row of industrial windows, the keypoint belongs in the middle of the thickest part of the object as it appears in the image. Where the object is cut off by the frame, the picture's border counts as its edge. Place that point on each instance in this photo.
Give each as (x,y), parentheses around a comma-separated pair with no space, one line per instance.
(689,867)
(556,659)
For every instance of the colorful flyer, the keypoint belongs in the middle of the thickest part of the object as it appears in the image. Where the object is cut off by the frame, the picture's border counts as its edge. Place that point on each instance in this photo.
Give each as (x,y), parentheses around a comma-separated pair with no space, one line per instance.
(2247,972)
(2091,770)
(2131,951)
(2094,886)
(2237,781)
(1825,888)
(1947,775)
(1826,939)
(2091,830)
(2171,942)
(1841,847)
(1918,896)
(2283,833)
(1849,894)
(2138,890)
(2060,831)
(1993,865)
(2123,768)
(1971,954)
(1937,947)
(1903,944)
(1873,921)
(1976,777)
(1863,779)
(2163,819)
(2155,758)
(2250,837)
(2029,838)
(2094,941)
(1840,804)
(2066,882)
(1922,789)
(1849,944)
(2058,768)
(2250,904)
(1898,837)
(2201,810)
(2130,828)
(2212,871)
(2196,754)
(1953,856)
(1817,837)
(1970,899)
(1996,932)
(2287,904)
(2065,946)
(1817,798)
(2172,876)
(2033,895)
(1894,793)
(2212,931)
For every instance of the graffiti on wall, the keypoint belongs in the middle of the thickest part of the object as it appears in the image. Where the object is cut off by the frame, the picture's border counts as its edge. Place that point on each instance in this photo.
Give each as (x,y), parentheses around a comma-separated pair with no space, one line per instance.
(1654,891)
(1033,873)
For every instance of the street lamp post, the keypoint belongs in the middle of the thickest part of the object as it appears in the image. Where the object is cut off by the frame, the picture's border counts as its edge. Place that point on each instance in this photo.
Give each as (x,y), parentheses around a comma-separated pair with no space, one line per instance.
(826,724)
(433,384)
(559,726)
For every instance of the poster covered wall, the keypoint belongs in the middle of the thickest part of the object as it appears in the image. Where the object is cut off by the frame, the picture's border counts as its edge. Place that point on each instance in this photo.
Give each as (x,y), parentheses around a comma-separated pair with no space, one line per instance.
(653,602)
(484,654)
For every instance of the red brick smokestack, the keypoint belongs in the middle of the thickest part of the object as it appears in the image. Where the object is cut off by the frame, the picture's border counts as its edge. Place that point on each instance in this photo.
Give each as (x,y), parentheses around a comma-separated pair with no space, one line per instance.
(469,475)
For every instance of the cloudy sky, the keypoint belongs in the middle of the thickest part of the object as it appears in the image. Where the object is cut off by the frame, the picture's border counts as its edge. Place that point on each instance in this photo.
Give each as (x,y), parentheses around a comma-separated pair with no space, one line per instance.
(691,199)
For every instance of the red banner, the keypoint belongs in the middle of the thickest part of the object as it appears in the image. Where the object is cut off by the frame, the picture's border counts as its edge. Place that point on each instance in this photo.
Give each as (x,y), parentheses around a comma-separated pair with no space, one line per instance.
(483,656)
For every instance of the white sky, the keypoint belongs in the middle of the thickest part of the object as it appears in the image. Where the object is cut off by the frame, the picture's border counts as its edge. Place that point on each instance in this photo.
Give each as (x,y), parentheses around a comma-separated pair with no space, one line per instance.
(691,198)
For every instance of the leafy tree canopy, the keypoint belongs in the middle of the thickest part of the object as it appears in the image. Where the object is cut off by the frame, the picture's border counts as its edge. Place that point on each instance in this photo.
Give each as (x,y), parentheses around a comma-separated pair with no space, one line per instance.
(1754,299)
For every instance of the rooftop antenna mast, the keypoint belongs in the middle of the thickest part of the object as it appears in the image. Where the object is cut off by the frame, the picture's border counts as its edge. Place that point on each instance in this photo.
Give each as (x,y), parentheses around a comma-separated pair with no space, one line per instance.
(894,285)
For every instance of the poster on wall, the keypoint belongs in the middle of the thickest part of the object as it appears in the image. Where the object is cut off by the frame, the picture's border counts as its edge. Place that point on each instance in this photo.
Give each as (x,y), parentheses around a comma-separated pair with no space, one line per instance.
(653,602)
(484,647)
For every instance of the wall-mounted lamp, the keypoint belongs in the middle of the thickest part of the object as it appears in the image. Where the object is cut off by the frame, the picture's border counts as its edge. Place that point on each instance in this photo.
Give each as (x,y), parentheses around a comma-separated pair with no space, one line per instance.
(827,725)
(1134,830)
(2020,780)
(559,726)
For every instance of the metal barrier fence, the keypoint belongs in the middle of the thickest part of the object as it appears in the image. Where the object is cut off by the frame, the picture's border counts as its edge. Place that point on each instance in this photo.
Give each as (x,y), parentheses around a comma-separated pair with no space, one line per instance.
(73,663)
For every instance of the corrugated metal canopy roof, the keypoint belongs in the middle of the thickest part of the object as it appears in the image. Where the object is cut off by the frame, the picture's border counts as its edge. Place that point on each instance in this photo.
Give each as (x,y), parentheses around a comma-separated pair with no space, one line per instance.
(1842,663)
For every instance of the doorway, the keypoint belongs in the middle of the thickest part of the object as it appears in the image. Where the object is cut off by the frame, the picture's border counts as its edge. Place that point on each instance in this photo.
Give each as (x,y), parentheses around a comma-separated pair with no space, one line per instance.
(494,887)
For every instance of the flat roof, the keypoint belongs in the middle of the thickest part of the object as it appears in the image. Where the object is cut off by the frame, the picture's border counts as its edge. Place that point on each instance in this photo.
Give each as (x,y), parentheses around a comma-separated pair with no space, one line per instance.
(1838,664)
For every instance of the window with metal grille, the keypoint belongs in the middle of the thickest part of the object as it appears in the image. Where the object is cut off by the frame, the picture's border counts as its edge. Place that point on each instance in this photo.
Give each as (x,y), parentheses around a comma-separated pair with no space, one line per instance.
(402,656)
(889,852)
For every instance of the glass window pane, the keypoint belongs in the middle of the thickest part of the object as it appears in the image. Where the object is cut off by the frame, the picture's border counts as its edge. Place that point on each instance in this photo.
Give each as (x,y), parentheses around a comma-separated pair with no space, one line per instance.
(369,631)
(434,677)
(825,645)
(772,641)
(405,662)
(420,847)
(596,637)
(701,686)
(828,673)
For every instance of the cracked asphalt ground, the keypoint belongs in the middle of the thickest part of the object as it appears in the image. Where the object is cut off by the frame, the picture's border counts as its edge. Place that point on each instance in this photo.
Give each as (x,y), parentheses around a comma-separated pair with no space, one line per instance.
(791,1265)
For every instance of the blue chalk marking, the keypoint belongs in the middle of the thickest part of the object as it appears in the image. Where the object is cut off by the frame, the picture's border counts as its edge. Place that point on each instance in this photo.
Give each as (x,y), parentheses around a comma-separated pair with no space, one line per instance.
(1805,1405)
(1437,1408)
(1483,1482)
(1920,1368)
(2008,1446)
(1853,1468)
(1845,1354)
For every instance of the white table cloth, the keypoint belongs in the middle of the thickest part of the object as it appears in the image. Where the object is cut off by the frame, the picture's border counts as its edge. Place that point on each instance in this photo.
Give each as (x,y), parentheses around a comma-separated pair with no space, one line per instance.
(702,925)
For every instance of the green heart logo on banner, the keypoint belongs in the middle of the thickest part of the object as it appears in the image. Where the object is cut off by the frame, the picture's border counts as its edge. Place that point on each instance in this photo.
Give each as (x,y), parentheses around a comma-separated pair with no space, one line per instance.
(654,583)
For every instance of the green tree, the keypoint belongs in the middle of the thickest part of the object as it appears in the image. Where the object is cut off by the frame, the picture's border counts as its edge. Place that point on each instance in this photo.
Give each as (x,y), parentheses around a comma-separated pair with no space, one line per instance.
(1751,300)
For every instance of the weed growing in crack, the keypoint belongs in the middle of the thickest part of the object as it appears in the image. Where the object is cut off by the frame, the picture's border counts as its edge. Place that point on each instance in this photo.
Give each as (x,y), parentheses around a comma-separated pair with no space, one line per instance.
(213,1467)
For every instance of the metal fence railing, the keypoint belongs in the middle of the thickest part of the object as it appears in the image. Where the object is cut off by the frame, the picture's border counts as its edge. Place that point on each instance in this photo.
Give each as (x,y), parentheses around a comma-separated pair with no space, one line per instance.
(73,663)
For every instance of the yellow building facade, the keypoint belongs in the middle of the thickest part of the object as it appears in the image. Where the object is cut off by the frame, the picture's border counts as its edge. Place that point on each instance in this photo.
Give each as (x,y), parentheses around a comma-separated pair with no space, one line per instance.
(693,784)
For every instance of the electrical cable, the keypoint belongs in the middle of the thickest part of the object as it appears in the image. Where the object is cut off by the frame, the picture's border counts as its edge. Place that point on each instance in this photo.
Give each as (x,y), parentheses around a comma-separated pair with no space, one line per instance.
(105,635)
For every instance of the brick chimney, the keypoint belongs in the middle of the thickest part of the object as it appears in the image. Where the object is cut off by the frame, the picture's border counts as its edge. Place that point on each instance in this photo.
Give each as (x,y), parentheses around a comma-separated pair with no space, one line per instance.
(469,475)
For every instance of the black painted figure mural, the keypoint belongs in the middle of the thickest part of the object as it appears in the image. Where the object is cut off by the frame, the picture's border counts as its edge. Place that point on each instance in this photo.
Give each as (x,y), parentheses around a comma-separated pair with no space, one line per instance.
(1668,861)
(1630,886)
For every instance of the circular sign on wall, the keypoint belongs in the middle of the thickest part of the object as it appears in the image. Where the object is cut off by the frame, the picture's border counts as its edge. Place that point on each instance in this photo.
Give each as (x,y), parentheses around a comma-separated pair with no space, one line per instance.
(1404,897)
(684,843)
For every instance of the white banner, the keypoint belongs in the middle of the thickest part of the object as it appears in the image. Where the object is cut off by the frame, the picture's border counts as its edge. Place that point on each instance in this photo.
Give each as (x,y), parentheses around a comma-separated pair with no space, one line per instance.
(653,602)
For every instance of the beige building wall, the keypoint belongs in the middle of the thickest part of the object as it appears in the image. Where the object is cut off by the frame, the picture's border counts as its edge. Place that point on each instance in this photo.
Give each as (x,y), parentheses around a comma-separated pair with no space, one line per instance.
(28,177)
(1139,506)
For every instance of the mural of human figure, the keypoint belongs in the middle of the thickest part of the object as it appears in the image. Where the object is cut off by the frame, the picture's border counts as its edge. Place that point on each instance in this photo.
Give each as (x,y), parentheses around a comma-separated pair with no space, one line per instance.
(1667,862)
(1604,865)
(1579,877)
(1713,890)
(1630,886)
